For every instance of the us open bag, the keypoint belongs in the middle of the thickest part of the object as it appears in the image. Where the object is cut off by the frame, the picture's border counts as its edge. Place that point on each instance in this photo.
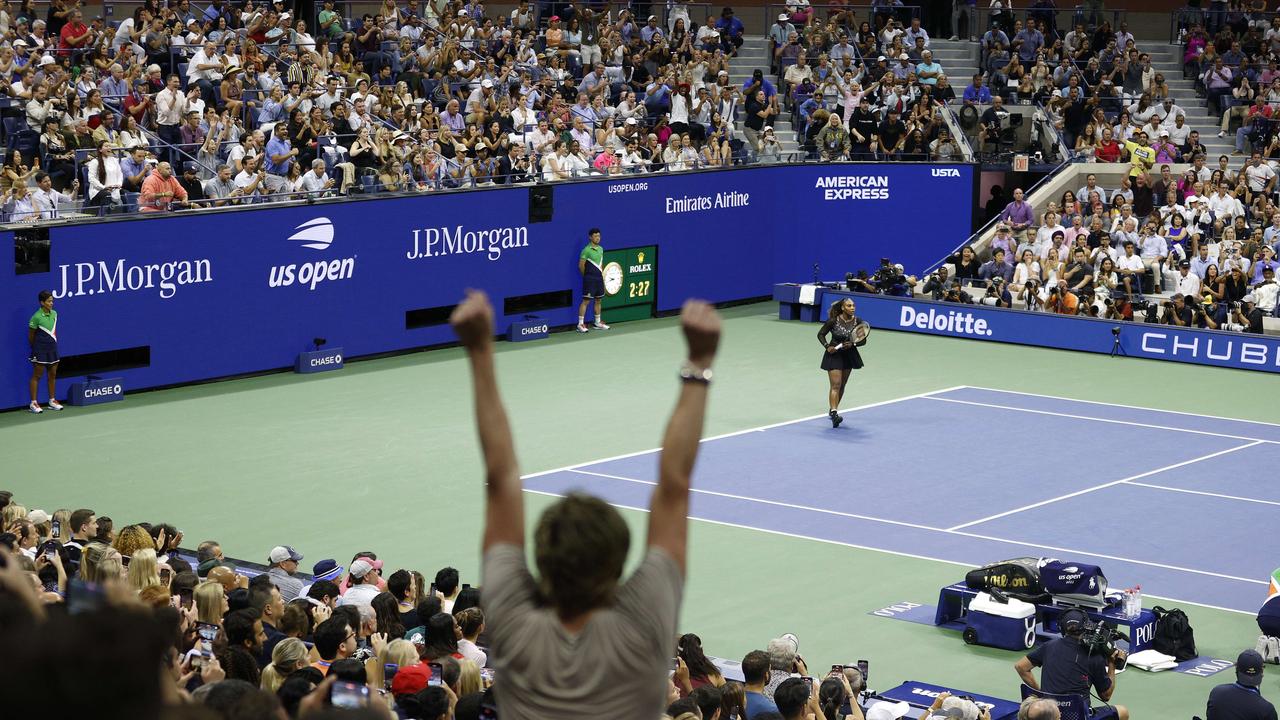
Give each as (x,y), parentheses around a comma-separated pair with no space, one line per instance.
(1174,635)
(1269,648)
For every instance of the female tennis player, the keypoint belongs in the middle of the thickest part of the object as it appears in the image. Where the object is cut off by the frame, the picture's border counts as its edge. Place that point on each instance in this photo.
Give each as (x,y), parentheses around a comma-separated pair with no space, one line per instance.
(848,333)
(42,335)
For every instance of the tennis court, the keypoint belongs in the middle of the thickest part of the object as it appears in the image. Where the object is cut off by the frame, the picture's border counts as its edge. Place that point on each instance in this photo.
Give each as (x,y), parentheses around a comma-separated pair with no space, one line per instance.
(1172,501)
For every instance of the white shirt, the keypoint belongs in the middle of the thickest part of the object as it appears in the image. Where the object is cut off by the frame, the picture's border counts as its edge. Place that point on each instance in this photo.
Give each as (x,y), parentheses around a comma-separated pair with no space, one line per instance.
(362,594)
(1188,284)
(1258,176)
(1130,262)
(115,176)
(46,202)
(310,183)
(171,106)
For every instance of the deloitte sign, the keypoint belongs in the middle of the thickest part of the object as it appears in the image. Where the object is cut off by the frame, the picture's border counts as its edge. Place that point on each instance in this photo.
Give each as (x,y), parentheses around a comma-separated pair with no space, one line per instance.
(959,322)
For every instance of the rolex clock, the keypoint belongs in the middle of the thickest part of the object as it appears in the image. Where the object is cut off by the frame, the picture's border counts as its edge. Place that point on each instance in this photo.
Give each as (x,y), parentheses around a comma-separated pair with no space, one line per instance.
(630,283)
(613,278)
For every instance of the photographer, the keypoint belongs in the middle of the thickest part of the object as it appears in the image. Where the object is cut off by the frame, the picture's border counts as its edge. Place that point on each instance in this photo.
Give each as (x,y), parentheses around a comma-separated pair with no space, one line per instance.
(1079,273)
(1245,316)
(1210,315)
(1059,299)
(997,265)
(1069,667)
(891,280)
(1177,311)
(860,283)
(936,285)
(956,293)
(1030,296)
(997,294)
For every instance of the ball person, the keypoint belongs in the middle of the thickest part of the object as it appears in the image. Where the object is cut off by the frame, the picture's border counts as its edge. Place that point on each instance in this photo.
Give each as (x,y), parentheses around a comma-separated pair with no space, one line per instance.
(591,266)
(42,336)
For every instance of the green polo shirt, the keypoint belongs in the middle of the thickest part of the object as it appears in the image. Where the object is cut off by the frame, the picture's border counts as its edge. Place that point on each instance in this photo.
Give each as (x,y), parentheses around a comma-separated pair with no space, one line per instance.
(594,255)
(47,322)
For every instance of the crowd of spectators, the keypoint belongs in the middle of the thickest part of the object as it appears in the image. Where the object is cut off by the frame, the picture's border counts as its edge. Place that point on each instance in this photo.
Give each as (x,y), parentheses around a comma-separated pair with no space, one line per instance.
(1195,250)
(181,105)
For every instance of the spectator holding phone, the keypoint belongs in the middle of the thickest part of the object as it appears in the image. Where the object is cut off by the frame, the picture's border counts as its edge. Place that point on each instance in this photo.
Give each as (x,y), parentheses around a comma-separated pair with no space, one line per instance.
(576,642)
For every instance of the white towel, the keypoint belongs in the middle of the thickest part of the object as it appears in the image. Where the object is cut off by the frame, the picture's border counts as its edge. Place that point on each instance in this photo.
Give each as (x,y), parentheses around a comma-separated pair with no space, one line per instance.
(808,293)
(1152,661)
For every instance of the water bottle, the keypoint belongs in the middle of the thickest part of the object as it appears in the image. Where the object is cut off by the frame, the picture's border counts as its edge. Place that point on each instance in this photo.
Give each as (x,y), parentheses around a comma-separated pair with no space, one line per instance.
(1136,599)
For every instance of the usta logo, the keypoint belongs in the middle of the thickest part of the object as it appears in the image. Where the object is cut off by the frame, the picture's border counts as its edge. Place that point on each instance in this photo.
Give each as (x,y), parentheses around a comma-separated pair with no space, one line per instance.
(314,234)
(946,172)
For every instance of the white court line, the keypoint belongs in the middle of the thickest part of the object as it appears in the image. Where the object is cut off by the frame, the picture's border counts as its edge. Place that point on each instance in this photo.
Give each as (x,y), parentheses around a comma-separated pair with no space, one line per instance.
(1157,471)
(897,553)
(1201,492)
(761,428)
(978,536)
(1120,405)
(1097,419)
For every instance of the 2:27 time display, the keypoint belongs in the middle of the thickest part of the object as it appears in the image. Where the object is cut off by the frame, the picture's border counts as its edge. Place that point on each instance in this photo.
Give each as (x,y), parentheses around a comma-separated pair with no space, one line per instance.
(638,289)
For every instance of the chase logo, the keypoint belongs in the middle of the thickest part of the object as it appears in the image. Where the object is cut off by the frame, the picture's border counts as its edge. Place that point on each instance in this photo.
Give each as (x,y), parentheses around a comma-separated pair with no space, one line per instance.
(946,172)
(315,234)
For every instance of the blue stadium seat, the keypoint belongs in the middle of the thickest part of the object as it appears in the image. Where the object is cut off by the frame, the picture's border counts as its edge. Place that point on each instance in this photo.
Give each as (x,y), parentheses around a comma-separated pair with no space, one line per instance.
(1071,707)
(130,202)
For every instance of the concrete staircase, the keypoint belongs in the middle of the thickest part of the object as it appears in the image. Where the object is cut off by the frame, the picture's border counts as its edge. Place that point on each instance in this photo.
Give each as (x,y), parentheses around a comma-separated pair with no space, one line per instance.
(1167,60)
(753,55)
(959,60)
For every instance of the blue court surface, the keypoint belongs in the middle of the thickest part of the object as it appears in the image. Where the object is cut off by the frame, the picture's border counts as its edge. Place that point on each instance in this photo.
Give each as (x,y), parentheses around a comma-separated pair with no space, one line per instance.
(1184,505)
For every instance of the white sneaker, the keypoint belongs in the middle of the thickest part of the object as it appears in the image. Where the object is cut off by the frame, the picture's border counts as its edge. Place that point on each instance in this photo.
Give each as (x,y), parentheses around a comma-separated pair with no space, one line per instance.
(1222,133)
(954,38)
(55,405)
(35,408)
(600,326)
(582,328)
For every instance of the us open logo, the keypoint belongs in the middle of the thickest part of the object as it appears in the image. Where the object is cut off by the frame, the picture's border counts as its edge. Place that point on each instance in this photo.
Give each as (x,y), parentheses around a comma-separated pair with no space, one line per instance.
(316,235)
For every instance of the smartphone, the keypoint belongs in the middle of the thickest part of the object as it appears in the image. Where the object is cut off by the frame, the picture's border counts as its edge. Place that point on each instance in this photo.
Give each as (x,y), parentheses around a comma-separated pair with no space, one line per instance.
(208,632)
(432,590)
(862,668)
(185,600)
(437,674)
(807,681)
(389,673)
(349,695)
(199,658)
(675,664)
(57,528)
(837,669)
(486,674)
(50,549)
(83,596)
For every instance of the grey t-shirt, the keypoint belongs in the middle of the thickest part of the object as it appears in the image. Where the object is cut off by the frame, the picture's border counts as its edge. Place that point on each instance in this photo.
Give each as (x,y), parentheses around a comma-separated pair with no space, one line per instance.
(615,668)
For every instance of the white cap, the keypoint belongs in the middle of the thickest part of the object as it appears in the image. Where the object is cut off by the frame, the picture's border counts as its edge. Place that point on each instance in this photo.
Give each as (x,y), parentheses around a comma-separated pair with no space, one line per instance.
(38,517)
(782,17)
(1190,199)
(47,60)
(1250,298)
(284,15)
(631,121)
(887,711)
(903,56)
(280,553)
(19,43)
(1164,133)
(486,83)
(360,568)
(898,267)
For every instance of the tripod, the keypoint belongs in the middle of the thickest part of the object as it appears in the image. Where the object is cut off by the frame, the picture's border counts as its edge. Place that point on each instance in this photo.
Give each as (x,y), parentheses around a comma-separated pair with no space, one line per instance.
(1117,349)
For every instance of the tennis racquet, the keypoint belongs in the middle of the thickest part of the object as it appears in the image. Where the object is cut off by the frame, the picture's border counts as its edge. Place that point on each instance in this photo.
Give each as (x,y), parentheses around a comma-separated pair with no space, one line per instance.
(861,332)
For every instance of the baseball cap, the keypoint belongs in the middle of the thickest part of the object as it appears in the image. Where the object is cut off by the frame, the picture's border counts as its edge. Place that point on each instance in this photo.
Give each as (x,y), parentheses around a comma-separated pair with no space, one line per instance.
(653,17)
(1184,264)
(1249,668)
(364,566)
(1251,299)
(768,129)
(903,56)
(881,59)
(486,83)
(1164,133)
(1268,269)
(1190,199)
(554,18)
(47,60)
(19,43)
(38,517)
(280,553)
(411,679)
(632,121)
(190,166)
(782,16)
(327,569)
(887,710)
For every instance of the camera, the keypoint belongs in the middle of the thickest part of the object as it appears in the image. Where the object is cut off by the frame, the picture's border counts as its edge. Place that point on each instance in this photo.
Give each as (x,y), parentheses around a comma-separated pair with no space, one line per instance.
(1053,291)
(1235,305)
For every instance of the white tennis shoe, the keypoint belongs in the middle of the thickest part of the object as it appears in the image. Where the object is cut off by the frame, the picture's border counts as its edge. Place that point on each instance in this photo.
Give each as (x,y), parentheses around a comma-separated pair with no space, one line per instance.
(35,408)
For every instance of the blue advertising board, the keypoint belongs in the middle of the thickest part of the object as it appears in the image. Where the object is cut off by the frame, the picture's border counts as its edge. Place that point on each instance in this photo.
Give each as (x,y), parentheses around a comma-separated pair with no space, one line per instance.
(215,294)
(1066,332)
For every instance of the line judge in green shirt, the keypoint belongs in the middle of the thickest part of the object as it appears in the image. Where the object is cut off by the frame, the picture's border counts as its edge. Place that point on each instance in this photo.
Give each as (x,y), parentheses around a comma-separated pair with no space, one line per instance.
(591,266)
(42,336)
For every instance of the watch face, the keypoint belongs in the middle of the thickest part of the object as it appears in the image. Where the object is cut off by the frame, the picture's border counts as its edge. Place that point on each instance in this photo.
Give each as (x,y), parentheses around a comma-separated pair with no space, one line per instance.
(612,278)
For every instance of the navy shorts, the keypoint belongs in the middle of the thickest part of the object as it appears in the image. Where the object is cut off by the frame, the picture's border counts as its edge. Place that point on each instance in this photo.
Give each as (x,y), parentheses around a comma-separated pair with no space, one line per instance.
(44,353)
(592,286)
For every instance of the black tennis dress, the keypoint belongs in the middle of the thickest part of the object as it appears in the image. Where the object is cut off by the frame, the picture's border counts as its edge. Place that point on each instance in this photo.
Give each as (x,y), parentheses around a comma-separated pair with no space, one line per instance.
(841,332)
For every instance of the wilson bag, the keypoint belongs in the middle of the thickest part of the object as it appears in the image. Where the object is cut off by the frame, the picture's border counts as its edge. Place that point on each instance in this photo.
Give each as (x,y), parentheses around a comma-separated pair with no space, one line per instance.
(1174,635)
(1018,578)
(1269,648)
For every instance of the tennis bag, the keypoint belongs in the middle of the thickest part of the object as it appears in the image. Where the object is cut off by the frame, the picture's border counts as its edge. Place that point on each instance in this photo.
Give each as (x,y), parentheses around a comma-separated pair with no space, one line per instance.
(1018,578)
(1074,582)
(1173,635)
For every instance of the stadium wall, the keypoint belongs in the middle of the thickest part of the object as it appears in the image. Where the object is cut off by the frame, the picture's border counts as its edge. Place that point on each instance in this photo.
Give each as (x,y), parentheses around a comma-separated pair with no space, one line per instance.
(193,296)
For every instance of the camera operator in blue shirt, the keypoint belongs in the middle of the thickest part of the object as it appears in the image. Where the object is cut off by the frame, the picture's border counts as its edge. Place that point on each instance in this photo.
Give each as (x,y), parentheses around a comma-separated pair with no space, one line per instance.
(1069,667)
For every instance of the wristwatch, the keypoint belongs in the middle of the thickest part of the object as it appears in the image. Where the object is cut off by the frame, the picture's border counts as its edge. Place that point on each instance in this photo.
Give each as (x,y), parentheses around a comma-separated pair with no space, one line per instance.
(689,373)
